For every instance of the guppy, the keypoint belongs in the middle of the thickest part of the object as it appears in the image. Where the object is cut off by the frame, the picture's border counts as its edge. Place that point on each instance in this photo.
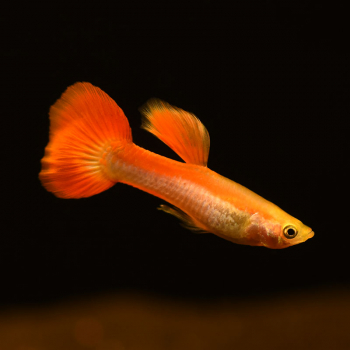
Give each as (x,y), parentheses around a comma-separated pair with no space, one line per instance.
(90,149)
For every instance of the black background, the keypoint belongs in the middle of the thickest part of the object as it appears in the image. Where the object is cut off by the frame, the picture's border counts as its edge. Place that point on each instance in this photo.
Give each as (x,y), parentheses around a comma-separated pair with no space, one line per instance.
(268,79)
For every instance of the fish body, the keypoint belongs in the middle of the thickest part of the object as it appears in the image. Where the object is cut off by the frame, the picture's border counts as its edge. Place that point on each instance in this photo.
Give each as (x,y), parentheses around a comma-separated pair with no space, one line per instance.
(91,149)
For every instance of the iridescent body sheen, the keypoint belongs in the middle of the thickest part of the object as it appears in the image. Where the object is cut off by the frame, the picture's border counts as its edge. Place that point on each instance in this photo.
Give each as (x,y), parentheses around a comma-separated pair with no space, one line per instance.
(91,149)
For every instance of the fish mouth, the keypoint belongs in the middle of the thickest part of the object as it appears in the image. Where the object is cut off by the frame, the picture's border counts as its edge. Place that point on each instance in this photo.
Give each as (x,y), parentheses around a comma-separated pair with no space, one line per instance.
(304,238)
(309,235)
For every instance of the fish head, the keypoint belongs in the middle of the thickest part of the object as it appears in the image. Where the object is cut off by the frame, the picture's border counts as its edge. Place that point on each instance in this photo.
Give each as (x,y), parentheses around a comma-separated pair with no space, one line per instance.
(277,233)
(294,232)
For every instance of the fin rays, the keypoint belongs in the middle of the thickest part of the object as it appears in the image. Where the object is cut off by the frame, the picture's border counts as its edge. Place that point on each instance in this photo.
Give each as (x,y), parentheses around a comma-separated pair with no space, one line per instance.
(186,220)
(83,123)
(182,131)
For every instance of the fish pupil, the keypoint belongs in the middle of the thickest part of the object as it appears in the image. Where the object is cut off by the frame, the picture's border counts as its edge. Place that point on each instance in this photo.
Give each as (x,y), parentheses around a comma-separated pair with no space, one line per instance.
(290,232)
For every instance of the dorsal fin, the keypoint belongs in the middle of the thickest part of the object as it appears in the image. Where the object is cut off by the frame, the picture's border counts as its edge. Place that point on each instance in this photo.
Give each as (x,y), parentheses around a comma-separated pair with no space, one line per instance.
(186,220)
(182,131)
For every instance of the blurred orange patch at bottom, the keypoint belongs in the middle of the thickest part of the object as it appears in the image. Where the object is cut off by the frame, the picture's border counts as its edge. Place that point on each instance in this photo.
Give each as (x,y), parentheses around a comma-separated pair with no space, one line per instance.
(88,331)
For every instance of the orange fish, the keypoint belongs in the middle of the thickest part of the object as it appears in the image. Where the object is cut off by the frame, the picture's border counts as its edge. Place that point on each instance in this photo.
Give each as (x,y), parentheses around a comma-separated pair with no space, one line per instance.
(91,149)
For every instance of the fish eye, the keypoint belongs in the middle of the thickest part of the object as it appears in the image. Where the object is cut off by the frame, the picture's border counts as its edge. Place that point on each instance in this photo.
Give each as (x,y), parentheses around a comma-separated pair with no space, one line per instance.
(290,231)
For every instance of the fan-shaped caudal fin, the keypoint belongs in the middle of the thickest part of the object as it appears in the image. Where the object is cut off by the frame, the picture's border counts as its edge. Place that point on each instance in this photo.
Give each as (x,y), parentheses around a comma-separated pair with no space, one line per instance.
(84,123)
(182,131)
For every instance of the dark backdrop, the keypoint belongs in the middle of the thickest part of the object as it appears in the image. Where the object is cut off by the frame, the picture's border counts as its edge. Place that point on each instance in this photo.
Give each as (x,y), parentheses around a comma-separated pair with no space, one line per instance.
(269,80)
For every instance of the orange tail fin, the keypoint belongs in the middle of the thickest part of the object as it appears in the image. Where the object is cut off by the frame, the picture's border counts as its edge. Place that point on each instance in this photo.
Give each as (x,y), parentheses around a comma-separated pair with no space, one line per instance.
(84,122)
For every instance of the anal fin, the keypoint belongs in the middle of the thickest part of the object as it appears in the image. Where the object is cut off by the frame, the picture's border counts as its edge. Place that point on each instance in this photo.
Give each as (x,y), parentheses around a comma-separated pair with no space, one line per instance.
(186,220)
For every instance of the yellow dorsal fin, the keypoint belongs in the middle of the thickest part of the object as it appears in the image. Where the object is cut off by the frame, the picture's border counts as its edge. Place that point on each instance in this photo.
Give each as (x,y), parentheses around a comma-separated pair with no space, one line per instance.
(186,220)
(182,131)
